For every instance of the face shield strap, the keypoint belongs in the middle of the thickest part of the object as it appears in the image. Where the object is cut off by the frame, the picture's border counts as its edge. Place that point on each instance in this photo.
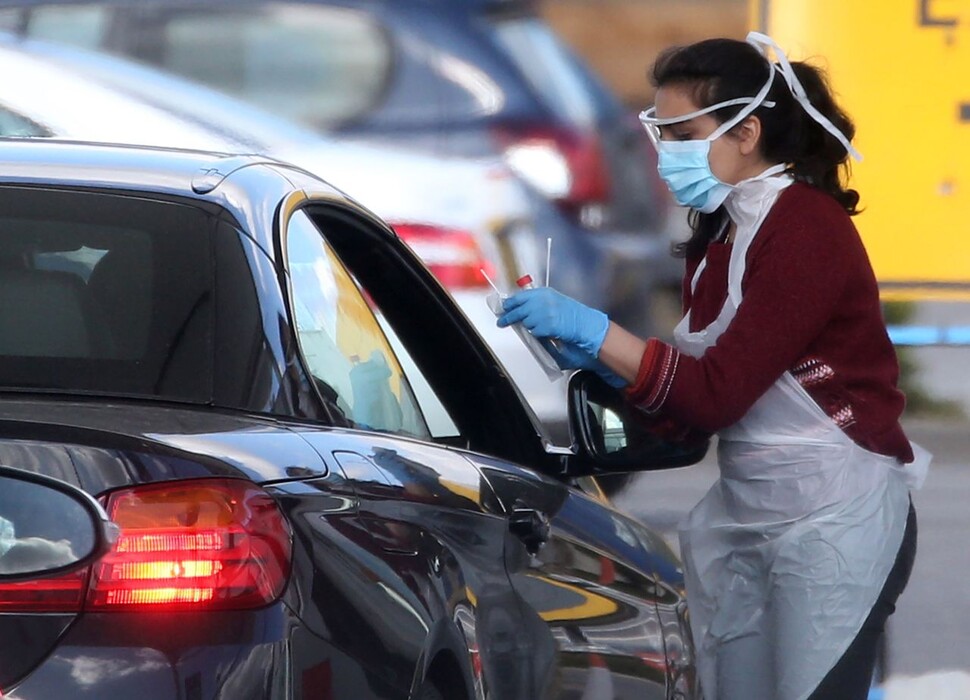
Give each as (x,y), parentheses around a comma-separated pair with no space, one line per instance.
(762,42)
(647,115)
(651,122)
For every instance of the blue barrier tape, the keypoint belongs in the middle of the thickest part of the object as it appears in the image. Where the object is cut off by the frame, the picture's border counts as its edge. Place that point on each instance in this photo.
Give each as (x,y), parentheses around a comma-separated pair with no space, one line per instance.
(929,335)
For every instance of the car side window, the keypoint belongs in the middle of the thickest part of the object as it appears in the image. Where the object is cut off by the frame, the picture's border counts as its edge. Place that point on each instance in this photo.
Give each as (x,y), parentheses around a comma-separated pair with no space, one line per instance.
(439,421)
(79,26)
(342,343)
(335,61)
(13,124)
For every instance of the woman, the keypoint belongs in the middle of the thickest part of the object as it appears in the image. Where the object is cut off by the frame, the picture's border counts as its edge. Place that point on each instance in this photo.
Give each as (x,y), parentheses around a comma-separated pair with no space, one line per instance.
(795,557)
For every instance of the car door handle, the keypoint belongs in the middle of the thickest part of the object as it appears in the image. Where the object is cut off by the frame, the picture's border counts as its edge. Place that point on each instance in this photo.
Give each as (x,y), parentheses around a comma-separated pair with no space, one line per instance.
(531,526)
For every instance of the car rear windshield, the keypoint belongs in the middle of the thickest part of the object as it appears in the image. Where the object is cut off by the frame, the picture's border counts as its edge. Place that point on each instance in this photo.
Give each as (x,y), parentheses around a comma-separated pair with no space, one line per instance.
(105,294)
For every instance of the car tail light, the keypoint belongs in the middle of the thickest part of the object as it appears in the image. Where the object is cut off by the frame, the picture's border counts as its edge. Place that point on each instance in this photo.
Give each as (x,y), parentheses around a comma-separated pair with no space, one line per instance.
(201,544)
(58,594)
(452,255)
(565,165)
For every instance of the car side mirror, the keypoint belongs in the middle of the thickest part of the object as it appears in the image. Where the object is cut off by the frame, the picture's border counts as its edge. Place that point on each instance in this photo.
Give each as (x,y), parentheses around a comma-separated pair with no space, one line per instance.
(48,527)
(611,437)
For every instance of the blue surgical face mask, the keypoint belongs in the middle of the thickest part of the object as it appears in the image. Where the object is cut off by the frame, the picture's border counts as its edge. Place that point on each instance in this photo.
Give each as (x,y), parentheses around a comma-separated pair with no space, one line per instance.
(686,166)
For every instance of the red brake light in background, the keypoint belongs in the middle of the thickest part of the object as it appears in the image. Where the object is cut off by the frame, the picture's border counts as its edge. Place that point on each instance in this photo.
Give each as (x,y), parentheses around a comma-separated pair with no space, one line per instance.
(207,543)
(452,255)
(563,164)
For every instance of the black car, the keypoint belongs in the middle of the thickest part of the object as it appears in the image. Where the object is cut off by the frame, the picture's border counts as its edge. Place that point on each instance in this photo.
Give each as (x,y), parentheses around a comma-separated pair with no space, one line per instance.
(326,485)
(467,77)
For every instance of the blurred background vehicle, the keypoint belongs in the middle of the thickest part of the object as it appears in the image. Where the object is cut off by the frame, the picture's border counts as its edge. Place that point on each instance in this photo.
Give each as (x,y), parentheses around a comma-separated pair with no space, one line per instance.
(461,215)
(470,78)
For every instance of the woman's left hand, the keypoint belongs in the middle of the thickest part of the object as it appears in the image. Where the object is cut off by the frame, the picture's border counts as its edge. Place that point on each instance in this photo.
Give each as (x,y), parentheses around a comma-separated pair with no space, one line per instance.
(571,356)
(548,314)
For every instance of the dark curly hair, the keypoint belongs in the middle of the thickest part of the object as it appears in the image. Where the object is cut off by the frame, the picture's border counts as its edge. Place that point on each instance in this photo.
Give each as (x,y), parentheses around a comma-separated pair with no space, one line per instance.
(717,70)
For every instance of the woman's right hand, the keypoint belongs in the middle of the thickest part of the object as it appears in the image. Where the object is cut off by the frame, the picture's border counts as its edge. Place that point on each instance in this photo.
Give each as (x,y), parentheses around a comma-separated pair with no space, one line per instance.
(548,314)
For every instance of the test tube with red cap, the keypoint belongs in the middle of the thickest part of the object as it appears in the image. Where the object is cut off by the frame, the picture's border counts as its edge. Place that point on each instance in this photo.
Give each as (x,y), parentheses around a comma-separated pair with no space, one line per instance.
(525,282)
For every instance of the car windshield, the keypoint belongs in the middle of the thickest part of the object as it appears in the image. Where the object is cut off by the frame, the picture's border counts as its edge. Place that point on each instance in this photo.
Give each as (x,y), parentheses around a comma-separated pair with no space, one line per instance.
(98,295)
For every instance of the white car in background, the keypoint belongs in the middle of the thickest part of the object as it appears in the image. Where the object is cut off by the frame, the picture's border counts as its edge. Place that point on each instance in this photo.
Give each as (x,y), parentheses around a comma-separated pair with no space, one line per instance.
(460,215)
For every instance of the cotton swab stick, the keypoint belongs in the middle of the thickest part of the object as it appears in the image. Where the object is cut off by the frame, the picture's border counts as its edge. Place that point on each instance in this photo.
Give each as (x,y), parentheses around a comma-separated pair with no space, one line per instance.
(489,280)
(548,257)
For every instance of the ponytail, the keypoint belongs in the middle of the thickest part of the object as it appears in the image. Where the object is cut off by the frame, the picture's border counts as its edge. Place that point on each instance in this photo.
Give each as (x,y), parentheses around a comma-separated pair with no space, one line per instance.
(821,160)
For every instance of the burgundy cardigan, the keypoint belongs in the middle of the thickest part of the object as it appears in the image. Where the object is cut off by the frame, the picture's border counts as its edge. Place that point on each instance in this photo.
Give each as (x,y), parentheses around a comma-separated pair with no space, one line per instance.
(810,307)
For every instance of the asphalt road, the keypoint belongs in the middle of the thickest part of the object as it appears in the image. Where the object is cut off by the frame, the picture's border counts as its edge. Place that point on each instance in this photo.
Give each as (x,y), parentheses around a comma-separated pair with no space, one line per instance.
(930,632)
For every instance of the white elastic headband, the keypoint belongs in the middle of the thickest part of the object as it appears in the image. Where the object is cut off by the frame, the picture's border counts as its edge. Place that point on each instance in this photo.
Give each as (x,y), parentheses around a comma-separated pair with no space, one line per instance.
(760,41)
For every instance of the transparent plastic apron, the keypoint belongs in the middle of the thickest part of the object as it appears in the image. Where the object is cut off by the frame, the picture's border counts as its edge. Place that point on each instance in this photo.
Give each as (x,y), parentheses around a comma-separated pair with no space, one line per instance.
(789,550)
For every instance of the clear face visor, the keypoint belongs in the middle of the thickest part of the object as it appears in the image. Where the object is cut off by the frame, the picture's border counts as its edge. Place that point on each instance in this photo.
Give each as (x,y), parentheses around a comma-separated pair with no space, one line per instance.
(652,123)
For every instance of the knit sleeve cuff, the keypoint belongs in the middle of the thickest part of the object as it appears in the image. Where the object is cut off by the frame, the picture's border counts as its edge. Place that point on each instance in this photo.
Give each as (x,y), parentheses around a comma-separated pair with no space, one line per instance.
(657,368)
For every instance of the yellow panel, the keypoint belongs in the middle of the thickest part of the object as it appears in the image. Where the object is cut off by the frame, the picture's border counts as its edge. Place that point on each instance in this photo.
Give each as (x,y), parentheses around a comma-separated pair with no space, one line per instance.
(899,68)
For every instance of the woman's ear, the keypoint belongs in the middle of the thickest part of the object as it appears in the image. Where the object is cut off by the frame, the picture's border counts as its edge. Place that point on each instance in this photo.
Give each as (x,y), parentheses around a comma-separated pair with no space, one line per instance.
(749,135)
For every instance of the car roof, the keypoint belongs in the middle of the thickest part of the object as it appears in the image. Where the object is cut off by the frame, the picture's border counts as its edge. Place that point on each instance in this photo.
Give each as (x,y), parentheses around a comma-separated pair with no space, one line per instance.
(249,187)
(75,163)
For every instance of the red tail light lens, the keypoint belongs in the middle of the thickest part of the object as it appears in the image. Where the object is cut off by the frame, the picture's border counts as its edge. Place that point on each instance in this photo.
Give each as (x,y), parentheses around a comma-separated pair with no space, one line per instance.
(452,255)
(564,164)
(59,594)
(206,544)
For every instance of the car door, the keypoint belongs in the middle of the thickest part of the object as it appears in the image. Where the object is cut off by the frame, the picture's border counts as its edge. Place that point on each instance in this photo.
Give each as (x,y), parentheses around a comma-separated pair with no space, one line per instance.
(584,578)
(427,534)
(590,575)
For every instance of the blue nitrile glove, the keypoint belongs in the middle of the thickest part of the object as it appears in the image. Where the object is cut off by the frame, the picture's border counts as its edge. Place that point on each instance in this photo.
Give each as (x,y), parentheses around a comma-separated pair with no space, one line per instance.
(570,356)
(548,314)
